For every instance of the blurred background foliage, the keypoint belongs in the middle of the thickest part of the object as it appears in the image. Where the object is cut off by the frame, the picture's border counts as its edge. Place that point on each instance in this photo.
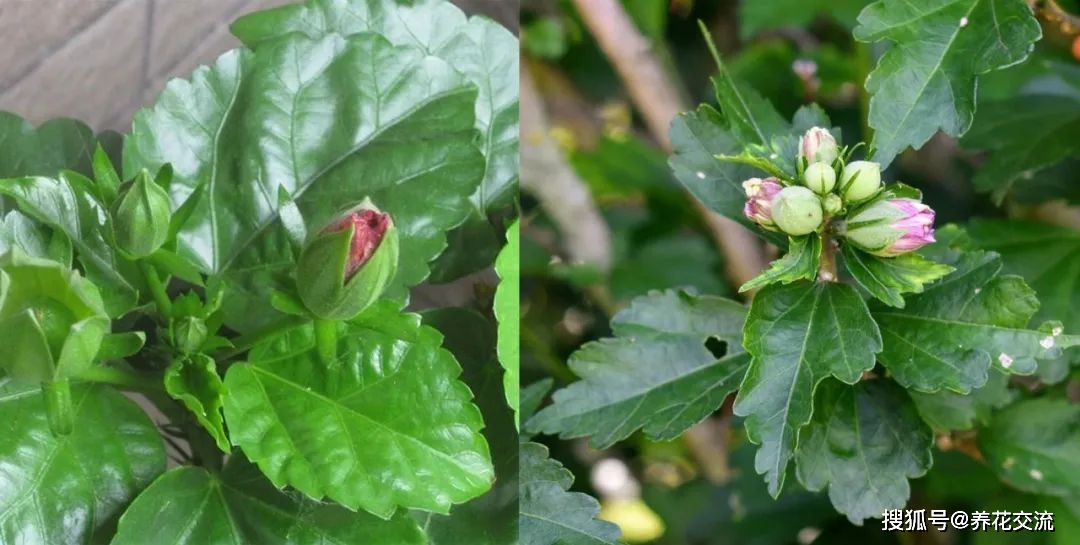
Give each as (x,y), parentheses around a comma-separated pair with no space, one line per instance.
(606,221)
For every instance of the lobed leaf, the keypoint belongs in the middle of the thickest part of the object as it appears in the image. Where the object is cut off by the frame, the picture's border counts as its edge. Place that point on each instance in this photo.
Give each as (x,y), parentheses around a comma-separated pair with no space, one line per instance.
(389,425)
(888,279)
(190,506)
(926,80)
(657,374)
(550,514)
(508,312)
(864,443)
(798,334)
(194,381)
(799,263)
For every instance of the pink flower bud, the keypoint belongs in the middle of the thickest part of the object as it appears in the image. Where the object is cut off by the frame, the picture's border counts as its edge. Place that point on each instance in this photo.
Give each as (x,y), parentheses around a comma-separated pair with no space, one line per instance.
(818,146)
(369,228)
(891,227)
(759,198)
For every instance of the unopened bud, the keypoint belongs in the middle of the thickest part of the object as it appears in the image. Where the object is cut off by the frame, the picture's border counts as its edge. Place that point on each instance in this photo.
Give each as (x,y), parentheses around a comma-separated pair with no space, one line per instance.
(797,211)
(891,227)
(820,178)
(860,181)
(141,217)
(759,197)
(818,146)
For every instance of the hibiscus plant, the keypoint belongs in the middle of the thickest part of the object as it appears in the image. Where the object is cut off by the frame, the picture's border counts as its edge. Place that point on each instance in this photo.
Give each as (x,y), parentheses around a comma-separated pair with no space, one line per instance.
(239,264)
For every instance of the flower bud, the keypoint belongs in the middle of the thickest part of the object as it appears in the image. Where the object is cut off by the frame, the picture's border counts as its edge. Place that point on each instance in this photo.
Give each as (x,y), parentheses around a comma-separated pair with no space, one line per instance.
(349,263)
(141,217)
(189,334)
(832,203)
(860,181)
(820,178)
(797,211)
(759,197)
(818,146)
(891,227)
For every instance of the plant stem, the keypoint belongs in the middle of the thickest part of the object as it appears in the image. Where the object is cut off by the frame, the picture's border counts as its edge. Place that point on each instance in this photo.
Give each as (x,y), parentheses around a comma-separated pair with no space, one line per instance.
(863,60)
(157,289)
(326,332)
(244,342)
(124,378)
(827,268)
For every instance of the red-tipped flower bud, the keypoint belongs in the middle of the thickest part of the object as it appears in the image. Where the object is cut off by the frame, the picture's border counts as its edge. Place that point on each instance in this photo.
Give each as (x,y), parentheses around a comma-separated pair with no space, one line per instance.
(891,227)
(759,197)
(349,263)
(818,146)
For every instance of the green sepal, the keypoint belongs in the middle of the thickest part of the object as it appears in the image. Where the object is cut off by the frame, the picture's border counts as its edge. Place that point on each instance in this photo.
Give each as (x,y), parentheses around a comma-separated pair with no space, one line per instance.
(57,394)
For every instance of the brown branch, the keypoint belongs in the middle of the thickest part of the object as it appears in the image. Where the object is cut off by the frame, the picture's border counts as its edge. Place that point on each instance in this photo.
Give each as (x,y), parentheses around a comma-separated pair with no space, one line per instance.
(659,100)
(547,175)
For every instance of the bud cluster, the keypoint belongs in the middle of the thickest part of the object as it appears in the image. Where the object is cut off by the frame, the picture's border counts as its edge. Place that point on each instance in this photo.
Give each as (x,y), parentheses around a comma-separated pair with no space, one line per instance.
(829,190)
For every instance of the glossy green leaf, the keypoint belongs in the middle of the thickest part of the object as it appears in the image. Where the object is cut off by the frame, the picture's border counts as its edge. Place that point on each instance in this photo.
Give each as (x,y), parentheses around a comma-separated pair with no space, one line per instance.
(625,387)
(949,336)
(799,263)
(1022,136)
(17,230)
(945,410)
(70,489)
(1034,445)
(482,50)
(45,150)
(68,205)
(508,313)
(757,16)
(194,381)
(550,514)
(327,122)
(490,519)
(390,425)
(888,279)
(798,334)
(926,80)
(189,506)
(864,443)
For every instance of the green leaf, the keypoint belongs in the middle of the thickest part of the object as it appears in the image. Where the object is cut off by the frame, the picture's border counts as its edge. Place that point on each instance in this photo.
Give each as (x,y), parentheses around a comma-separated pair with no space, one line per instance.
(946,410)
(482,50)
(190,506)
(532,396)
(35,239)
(926,80)
(751,118)
(490,519)
(798,334)
(1047,256)
(1023,135)
(888,279)
(54,145)
(948,336)
(70,489)
(327,122)
(757,16)
(1034,445)
(194,381)
(799,263)
(389,426)
(864,442)
(508,313)
(549,513)
(623,388)
(68,205)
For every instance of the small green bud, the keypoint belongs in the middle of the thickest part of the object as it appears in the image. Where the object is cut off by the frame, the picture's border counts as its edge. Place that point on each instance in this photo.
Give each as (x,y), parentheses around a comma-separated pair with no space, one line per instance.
(860,181)
(797,211)
(348,264)
(820,178)
(141,217)
(189,334)
(832,203)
